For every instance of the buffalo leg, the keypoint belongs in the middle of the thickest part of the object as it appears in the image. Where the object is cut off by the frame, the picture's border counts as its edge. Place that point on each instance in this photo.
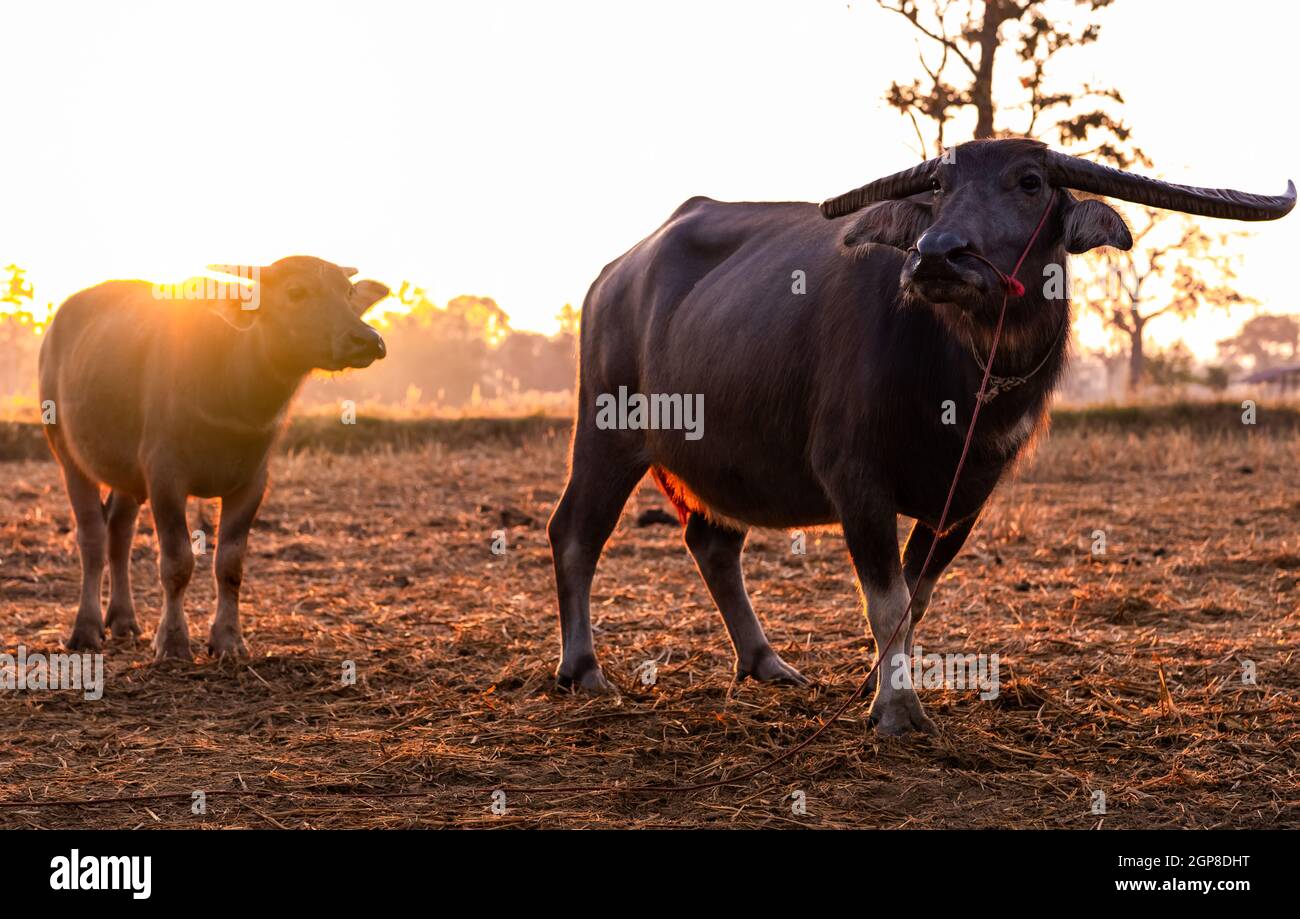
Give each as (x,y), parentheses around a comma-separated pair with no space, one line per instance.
(601,478)
(716,551)
(176,565)
(92,543)
(237,513)
(873,545)
(918,544)
(123,510)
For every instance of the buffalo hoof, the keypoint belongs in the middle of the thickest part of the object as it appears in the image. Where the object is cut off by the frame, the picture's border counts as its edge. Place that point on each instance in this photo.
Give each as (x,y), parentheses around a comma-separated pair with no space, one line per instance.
(767,667)
(225,643)
(86,636)
(174,646)
(589,680)
(900,714)
(121,623)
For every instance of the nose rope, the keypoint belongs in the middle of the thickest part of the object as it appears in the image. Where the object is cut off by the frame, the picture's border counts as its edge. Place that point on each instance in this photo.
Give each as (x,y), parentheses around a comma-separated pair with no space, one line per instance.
(994,385)
(1011,287)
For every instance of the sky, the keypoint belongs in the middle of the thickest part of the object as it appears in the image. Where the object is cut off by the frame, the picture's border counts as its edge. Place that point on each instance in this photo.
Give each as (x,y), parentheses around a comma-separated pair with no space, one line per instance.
(511,149)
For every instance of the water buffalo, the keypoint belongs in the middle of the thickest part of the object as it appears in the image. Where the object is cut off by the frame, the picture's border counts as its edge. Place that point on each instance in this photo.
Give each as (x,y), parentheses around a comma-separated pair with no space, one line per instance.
(837,358)
(160,398)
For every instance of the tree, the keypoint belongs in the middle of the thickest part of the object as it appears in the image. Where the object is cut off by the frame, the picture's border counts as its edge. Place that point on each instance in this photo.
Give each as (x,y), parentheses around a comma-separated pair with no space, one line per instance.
(17,289)
(20,329)
(964,38)
(1263,341)
(483,316)
(569,320)
(1173,367)
(1190,266)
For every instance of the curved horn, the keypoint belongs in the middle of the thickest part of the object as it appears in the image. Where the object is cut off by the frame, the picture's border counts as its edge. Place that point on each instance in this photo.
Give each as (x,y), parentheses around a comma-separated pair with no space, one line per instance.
(1207,202)
(898,185)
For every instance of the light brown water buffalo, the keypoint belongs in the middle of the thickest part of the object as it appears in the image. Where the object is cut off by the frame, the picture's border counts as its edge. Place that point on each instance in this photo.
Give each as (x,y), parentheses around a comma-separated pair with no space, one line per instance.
(159,397)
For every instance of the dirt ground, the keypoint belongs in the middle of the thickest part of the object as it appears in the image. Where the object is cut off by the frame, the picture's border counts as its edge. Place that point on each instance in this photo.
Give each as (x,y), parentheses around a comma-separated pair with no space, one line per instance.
(1121,674)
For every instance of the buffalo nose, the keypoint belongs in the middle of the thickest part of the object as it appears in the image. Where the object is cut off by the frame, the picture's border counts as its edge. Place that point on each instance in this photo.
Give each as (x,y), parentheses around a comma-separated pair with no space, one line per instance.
(940,245)
(367,342)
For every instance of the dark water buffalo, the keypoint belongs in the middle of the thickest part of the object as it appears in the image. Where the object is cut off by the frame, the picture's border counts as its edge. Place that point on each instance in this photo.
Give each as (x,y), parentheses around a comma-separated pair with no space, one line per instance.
(162,394)
(838,361)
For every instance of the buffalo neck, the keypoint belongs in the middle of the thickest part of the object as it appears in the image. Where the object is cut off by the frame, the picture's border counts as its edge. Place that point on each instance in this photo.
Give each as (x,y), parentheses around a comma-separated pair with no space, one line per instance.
(256,386)
(1034,345)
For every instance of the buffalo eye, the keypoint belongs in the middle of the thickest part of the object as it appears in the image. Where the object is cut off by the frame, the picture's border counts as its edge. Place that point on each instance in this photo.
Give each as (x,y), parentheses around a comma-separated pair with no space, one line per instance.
(297,294)
(1030,184)
(935,187)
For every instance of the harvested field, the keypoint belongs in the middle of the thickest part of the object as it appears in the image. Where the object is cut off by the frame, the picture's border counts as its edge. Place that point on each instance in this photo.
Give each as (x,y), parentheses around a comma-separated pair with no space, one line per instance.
(1121,673)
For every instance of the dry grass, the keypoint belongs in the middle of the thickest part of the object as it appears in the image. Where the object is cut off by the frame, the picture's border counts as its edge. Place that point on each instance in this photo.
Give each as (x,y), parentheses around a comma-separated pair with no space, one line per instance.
(1120,673)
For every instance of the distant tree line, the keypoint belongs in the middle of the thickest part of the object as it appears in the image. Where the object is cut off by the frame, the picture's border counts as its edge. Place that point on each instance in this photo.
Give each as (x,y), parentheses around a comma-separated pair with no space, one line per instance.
(459,356)
(464,358)
(20,342)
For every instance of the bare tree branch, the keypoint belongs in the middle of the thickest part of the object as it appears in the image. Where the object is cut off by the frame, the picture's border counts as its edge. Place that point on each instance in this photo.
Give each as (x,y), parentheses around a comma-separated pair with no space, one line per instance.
(908,10)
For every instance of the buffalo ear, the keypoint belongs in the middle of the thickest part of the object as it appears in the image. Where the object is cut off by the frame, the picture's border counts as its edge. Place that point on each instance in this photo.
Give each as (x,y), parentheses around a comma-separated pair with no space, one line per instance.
(1091,223)
(890,223)
(366,294)
(239,313)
